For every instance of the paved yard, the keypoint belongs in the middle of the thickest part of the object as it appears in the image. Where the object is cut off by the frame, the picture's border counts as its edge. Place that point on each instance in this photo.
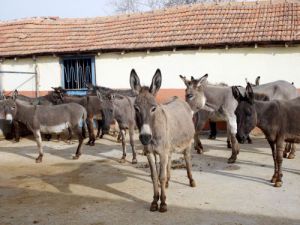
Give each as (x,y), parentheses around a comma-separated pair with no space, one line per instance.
(97,189)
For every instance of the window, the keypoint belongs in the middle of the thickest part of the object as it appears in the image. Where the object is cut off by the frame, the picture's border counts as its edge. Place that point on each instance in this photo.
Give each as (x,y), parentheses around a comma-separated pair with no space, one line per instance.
(77,72)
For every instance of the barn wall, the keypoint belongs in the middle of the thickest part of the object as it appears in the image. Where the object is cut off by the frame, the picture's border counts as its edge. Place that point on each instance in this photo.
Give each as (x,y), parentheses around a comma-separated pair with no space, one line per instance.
(231,66)
(49,71)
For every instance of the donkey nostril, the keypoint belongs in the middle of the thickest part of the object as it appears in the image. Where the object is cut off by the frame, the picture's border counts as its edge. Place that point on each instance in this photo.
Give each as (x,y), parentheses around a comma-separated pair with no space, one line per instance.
(145,138)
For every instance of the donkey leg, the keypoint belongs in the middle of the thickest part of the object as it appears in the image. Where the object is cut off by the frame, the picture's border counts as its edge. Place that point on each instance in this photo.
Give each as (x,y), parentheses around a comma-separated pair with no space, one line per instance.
(235,149)
(187,157)
(279,159)
(232,128)
(92,138)
(123,146)
(293,151)
(131,136)
(163,179)
(287,149)
(228,141)
(197,143)
(154,177)
(16,130)
(38,138)
(78,132)
(169,170)
(99,129)
(70,134)
(272,145)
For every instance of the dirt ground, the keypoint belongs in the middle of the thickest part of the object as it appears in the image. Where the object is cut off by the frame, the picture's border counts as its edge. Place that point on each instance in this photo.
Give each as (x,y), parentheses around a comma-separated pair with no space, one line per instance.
(98,190)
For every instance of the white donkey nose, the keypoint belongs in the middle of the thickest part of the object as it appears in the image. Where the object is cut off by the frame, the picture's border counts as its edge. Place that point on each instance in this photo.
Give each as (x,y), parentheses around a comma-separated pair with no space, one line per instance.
(9,117)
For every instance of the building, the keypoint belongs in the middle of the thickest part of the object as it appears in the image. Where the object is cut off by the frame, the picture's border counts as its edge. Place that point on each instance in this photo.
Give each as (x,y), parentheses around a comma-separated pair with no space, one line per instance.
(230,42)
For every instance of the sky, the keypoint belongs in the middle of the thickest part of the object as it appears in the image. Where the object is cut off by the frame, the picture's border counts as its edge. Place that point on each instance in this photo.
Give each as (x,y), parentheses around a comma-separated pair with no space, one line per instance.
(16,9)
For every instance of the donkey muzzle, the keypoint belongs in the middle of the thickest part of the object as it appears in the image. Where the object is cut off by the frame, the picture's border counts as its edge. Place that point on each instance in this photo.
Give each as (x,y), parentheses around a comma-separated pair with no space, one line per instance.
(9,117)
(145,138)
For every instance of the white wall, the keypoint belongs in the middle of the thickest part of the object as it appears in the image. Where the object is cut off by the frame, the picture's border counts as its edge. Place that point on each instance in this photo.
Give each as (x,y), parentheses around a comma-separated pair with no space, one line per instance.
(48,67)
(230,66)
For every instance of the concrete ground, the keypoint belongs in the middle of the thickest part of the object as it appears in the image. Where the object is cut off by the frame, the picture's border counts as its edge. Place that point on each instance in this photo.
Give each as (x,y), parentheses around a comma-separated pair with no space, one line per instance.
(98,190)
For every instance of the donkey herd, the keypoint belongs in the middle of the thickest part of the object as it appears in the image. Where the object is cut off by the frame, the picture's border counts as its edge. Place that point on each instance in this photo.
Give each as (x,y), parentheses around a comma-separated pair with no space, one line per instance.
(273,107)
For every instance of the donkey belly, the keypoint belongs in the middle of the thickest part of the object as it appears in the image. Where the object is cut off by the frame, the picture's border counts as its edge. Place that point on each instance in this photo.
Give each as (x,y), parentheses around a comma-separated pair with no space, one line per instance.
(55,128)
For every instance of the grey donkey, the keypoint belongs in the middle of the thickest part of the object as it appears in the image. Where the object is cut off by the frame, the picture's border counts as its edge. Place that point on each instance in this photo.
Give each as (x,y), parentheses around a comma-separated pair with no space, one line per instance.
(213,98)
(158,132)
(46,119)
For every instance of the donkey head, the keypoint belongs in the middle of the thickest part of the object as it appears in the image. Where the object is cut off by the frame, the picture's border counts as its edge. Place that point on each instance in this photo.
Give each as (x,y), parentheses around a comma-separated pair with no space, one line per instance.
(145,104)
(194,92)
(245,112)
(107,110)
(8,109)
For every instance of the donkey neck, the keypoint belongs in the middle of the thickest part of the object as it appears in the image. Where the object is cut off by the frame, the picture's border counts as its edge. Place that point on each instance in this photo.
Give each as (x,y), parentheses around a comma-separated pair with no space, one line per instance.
(263,121)
(25,113)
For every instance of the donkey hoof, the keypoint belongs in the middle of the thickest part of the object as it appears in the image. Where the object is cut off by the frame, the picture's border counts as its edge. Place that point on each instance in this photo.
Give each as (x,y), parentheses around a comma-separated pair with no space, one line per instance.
(163,208)
(273,180)
(134,161)
(284,155)
(291,156)
(38,159)
(232,159)
(154,207)
(167,184)
(122,160)
(76,157)
(278,184)
(192,183)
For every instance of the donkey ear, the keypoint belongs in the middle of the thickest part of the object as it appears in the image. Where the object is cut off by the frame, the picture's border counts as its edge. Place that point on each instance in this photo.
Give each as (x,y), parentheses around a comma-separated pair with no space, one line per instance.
(99,95)
(201,81)
(249,93)
(156,82)
(185,81)
(134,81)
(236,93)
(15,94)
(257,80)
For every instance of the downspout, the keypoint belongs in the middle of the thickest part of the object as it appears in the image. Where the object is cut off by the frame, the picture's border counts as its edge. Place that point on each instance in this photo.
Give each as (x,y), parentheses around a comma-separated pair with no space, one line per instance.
(37,79)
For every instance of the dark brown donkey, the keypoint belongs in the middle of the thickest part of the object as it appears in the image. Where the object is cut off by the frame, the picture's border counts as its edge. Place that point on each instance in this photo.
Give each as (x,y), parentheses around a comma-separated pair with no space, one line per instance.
(158,132)
(278,119)
(97,107)
(46,119)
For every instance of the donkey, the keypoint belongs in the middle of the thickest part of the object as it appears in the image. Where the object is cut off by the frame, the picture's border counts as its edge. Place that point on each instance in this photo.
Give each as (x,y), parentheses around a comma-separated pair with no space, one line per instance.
(124,114)
(96,107)
(158,132)
(48,99)
(201,95)
(46,119)
(278,119)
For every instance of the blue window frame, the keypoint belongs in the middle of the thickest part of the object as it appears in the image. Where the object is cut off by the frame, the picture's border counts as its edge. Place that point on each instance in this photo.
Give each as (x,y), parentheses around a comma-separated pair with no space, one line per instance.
(77,72)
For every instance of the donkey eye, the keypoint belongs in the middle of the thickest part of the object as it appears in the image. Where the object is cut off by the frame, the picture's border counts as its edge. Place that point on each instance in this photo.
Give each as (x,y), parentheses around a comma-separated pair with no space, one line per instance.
(136,108)
(189,96)
(13,108)
(153,109)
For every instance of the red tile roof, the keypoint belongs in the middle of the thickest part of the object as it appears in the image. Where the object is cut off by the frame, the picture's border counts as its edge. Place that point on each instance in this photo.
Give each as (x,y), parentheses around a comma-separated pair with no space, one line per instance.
(196,25)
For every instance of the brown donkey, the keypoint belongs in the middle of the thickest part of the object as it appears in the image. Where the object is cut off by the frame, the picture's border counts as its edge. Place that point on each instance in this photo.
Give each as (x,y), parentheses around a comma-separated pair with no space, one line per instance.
(278,119)
(158,132)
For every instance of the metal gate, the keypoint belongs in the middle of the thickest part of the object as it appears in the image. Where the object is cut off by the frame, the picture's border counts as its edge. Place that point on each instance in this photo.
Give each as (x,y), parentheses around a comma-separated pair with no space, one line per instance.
(35,76)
